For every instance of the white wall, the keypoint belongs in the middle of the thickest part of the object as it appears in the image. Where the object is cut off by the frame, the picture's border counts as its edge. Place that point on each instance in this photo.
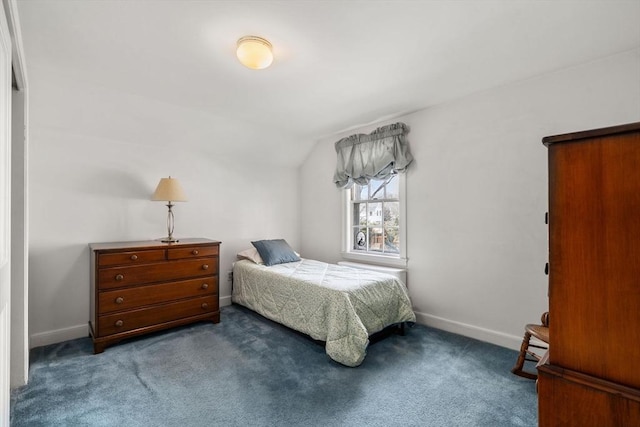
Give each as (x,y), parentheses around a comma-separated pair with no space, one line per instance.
(477,193)
(19,240)
(95,158)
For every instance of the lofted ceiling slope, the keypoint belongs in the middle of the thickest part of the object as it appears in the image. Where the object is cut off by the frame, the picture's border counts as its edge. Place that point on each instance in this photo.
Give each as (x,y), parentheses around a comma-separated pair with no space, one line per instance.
(338,64)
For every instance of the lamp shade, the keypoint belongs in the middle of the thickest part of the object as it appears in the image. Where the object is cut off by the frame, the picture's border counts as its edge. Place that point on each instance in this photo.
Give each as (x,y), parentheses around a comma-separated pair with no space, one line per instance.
(169,190)
(254,52)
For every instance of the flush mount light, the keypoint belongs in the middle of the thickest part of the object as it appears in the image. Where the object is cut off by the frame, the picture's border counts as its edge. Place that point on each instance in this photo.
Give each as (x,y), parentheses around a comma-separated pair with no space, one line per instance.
(254,52)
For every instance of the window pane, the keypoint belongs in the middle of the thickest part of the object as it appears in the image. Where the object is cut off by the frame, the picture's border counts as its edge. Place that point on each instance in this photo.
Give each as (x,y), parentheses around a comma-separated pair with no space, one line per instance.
(392,240)
(374,214)
(377,189)
(359,214)
(391,214)
(376,239)
(391,226)
(360,239)
(360,192)
(393,188)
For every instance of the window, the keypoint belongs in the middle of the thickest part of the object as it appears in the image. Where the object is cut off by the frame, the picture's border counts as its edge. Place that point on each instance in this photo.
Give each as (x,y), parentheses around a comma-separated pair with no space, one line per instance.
(374,213)
(375,224)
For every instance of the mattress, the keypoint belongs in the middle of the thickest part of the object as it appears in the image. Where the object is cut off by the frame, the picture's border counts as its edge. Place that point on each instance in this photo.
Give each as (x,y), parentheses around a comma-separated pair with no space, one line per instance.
(339,305)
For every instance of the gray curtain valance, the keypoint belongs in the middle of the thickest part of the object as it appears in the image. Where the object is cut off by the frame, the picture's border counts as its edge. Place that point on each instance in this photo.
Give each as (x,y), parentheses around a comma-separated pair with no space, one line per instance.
(379,155)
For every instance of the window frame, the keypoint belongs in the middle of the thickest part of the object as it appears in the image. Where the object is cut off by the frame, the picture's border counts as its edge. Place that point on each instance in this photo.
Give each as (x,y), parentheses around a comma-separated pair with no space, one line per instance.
(348,253)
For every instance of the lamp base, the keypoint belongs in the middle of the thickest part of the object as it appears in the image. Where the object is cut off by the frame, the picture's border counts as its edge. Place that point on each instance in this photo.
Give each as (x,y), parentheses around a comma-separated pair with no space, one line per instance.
(169,240)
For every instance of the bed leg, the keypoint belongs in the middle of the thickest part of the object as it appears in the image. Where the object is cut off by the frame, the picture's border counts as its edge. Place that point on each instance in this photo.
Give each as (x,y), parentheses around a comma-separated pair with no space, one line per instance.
(401,328)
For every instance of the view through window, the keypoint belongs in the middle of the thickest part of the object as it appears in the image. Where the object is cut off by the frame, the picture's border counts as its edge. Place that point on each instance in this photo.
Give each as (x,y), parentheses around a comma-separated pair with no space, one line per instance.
(375,217)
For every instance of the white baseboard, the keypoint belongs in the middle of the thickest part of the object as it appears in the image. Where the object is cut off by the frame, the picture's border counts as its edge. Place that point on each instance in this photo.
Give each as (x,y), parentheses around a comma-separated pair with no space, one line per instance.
(224,301)
(494,337)
(59,335)
(73,332)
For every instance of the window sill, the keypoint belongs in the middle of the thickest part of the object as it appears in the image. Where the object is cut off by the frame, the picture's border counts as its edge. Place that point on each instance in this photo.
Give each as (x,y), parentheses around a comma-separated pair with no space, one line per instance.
(376,259)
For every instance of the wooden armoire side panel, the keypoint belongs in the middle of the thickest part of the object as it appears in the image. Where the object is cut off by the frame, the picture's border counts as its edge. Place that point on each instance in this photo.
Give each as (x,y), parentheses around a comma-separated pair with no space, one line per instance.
(594,245)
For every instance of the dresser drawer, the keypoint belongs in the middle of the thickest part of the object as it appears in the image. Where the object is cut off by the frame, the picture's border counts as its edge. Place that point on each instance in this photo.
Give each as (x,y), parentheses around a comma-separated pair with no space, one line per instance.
(130,258)
(130,298)
(192,252)
(130,320)
(117,277)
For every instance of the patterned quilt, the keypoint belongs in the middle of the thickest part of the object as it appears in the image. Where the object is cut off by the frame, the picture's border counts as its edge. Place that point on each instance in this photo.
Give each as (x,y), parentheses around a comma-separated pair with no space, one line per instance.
(339,305)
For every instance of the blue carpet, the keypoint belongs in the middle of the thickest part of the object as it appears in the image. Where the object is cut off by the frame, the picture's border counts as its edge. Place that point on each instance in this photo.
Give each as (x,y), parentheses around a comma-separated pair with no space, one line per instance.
(248,371)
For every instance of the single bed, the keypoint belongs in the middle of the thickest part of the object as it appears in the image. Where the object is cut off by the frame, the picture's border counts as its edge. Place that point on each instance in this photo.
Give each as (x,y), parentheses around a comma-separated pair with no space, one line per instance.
(340,305)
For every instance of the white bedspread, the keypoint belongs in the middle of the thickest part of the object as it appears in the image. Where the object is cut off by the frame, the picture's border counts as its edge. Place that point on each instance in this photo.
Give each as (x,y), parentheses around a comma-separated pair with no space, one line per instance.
(339,305)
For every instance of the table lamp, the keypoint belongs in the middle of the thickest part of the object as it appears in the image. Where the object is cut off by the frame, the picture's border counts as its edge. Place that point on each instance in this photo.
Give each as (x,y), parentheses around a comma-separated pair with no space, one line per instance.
(169,190)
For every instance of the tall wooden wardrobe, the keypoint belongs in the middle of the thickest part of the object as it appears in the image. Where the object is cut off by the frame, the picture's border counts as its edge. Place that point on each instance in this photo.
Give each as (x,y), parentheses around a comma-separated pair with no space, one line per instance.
(591,373)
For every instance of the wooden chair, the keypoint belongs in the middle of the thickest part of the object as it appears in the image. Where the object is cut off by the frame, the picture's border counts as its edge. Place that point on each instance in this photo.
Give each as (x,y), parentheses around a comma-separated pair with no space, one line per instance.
(540,332)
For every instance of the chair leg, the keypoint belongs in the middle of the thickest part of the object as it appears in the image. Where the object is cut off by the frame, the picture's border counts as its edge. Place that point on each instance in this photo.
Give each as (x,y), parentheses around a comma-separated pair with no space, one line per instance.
(522,357)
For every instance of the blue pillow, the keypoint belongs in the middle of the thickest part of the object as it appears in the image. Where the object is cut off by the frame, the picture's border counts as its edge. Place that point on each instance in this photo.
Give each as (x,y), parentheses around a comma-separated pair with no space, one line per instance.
(275,251)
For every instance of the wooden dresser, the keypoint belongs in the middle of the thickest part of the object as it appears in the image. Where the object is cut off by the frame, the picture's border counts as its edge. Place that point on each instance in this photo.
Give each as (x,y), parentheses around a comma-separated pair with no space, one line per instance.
(590,376)
(141,287)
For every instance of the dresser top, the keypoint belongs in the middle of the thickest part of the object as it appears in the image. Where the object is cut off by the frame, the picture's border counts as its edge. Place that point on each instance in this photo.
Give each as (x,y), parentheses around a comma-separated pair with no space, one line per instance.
(150,244)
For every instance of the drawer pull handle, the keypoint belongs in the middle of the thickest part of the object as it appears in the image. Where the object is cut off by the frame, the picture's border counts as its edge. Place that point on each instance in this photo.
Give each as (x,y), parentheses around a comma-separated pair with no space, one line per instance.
(195,252)
(119,323)
(134,257)
(205,266)
(119,300)
(205,286)
(204,306)
(120,277)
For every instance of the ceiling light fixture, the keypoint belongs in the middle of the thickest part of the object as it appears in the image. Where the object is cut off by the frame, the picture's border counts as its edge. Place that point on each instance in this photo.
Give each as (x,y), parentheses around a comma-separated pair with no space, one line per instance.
(254,52)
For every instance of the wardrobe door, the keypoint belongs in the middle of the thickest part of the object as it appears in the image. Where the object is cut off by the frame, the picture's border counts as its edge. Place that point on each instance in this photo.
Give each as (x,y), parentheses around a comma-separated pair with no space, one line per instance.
(594,288)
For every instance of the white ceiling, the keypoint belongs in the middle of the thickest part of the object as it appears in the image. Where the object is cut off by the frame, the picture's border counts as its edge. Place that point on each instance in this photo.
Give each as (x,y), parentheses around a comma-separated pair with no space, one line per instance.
(338,64)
